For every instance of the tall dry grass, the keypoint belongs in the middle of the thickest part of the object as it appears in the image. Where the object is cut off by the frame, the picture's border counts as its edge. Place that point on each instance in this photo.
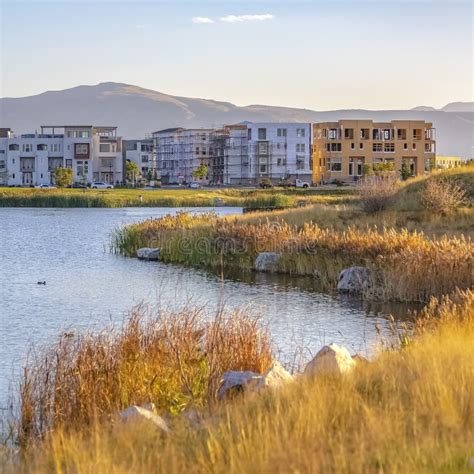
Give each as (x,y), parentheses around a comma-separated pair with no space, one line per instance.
(408,411)
(405,266)
(171,359)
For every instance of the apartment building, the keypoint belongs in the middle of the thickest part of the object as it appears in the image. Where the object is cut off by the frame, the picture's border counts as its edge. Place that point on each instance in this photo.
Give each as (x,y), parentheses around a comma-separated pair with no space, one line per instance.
(93,153)
(180,151)
(446,162)
(271,150)
(341,149)
(141,153)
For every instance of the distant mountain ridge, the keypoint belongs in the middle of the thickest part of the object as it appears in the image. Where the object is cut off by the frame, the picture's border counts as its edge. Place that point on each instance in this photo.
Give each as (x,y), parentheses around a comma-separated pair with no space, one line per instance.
(137,111)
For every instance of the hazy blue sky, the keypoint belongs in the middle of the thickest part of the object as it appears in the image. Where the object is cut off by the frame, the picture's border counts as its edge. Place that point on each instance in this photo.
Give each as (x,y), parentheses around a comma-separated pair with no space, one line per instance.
(321,54)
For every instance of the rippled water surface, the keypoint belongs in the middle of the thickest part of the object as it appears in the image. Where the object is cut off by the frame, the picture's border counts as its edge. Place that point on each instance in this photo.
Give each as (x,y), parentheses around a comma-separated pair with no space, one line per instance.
(87,286)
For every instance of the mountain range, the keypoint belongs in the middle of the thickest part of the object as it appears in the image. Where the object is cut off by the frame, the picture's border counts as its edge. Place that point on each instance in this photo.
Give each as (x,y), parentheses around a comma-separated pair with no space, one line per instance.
(137,111)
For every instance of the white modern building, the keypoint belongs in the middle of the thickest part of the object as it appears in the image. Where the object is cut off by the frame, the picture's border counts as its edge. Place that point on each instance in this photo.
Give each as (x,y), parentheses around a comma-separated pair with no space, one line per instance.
(247,153)
(93,153)
(141,153)
(181,151)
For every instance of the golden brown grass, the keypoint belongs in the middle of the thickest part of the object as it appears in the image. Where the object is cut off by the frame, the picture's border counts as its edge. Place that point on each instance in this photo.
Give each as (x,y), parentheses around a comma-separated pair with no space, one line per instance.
(408,411)
(406,266)
(172,360)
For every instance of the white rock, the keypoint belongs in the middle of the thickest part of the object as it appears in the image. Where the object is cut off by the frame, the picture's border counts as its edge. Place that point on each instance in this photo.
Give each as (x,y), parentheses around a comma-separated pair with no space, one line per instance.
(331,359)
(275,377)
(137,413)
(146,253)
(353,280)
(267,262)
(236,382)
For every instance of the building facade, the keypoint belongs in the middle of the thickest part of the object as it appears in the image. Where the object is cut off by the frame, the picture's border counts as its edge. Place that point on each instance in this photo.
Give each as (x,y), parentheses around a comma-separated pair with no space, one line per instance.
(241,154)
(93,154)
(180,151)
(341,149)
(141,153)
(446,162)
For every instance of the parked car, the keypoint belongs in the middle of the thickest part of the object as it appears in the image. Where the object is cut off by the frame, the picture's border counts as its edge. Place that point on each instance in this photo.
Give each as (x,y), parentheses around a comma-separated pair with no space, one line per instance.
(101,185)
(194,185)
(301,184)
(45,186)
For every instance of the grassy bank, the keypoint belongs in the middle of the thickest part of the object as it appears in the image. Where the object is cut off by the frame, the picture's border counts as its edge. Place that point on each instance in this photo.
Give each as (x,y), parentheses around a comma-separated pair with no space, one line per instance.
(412,252)
(279,197)
(409,410)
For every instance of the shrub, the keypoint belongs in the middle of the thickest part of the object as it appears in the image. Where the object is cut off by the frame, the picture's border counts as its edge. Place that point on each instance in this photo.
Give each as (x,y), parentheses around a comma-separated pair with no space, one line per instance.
(442,195)
(377,194)
(63,177)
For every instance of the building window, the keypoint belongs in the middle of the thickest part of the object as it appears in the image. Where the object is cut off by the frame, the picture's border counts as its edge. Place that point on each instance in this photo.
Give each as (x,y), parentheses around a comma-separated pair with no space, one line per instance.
(349,133)
(387,133)
(361,146)
(364,133)
(249,134)
(262,133)
(27,147)
(262,148)
(351,168)
(263,168)
(414,147)
(82,149)
(13,147)
(417,134)
(68,163)
(377,147)
(405,146)
(144,158)
(389,147)
(353,146)
(281,132)
(402,134)
(41,147)
(300,148)
(82,168)
(279,161)
(332,134)
(300,132)
(335,166)
(300,162)
(55,147)
(104,147)
(334,147)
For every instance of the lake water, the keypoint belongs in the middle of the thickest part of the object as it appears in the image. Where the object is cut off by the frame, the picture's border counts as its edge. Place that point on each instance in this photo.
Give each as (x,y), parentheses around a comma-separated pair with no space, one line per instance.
(87,286)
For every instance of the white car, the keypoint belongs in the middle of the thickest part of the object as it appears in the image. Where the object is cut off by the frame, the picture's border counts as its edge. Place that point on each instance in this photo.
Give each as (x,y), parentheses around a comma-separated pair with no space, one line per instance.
(100,185)
(45,186)
(194,185)
(301,184)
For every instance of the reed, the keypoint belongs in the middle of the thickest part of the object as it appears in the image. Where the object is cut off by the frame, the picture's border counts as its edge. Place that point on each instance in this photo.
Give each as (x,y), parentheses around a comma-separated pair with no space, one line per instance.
(408,410)
(171,359)
(406,266)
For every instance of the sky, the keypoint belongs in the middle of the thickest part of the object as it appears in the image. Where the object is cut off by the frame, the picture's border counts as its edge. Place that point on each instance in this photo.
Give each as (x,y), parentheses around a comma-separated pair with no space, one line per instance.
(320,54)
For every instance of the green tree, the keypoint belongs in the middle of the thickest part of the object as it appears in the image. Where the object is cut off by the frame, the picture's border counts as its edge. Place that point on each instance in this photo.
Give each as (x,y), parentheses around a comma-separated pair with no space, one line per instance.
(132,171)
(405,172)
(63,177)
(200,172)
(367,170)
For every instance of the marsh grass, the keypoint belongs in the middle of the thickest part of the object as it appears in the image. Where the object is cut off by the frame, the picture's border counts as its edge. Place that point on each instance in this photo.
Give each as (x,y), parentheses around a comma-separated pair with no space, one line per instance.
(406,266)
(171,359)
(410,411)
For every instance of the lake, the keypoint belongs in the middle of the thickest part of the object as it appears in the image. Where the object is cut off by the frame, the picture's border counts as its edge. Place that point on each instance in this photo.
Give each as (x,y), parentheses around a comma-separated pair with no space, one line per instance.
(87,286)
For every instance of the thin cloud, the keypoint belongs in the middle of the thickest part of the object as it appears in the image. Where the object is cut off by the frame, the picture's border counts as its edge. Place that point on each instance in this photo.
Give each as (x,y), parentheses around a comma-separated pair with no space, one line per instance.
(202,20)
(242,18)
(140,27)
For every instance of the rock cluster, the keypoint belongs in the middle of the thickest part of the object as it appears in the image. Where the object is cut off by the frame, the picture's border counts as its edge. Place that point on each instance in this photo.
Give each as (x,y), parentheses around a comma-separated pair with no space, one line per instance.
(267,262)
(353,280)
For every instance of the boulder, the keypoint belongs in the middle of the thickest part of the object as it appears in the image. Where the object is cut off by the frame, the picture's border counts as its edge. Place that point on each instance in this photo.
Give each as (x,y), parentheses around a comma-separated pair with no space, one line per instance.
(353,280)
(267,262)
(275,377)
(233,382)
(360,359)
(330,360)
(138,413)
(148,254)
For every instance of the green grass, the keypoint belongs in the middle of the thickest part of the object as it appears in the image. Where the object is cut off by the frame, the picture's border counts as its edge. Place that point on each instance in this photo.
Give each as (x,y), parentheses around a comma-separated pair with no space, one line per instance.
(232,197)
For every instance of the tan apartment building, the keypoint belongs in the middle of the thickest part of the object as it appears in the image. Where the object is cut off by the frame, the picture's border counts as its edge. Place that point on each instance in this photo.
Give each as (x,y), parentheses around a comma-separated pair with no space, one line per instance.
(341,149)
(446,162)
